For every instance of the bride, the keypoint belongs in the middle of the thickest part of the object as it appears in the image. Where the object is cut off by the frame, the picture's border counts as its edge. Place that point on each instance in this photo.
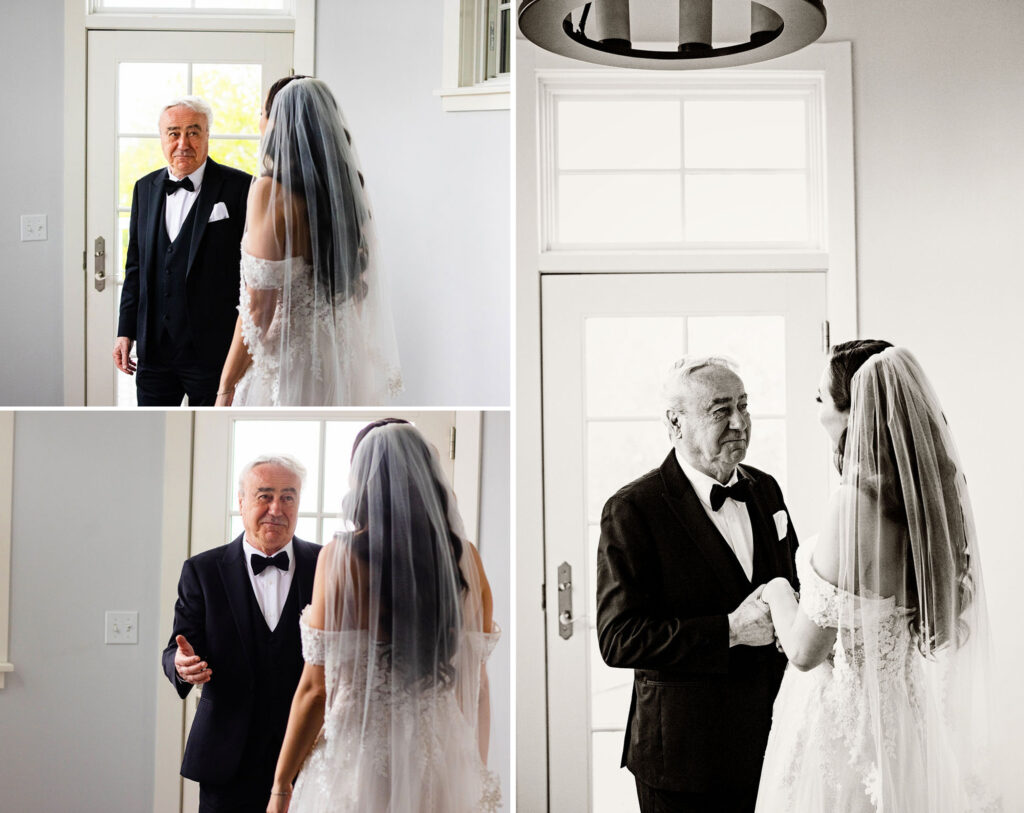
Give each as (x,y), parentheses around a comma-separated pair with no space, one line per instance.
(882,707)
(394,690)
(314,327)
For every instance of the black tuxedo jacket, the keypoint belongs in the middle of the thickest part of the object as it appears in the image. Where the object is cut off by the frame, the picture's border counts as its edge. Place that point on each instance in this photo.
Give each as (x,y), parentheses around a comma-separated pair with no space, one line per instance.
(214,613)
(211,287)
(666,582)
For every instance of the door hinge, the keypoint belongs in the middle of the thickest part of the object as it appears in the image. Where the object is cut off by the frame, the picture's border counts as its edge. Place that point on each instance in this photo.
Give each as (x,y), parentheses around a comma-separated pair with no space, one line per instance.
(85,262)
(451,443)
(826,342)
(543,597)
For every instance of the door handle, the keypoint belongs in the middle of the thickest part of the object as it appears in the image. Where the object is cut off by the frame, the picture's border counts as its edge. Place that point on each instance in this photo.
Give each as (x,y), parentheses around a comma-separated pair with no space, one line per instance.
(565,618)
(100,264)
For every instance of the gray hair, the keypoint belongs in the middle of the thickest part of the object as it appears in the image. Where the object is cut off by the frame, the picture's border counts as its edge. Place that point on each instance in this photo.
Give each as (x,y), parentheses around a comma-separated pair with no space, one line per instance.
(195,103)
(679,376)
(284,460)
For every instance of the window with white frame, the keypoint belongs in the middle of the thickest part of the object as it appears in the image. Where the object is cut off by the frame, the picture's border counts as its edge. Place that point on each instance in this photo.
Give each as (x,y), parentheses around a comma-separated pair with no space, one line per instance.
(477,54)
(324,447)
(688,162)
(193,6)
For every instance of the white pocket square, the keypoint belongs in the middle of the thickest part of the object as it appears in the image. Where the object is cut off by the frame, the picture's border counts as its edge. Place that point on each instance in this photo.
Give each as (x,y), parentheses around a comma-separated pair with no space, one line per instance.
(781,523)
(220,212)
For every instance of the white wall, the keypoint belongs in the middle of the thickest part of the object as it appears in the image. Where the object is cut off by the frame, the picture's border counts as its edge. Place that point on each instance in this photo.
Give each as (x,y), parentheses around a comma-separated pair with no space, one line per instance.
(939,113)
(78,715)
(31,308)
(495,540)
(440,188)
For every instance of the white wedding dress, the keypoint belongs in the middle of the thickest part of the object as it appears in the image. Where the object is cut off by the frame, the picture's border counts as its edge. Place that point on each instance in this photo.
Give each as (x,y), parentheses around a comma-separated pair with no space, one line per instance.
(822,750)
(350,770)
(306,350)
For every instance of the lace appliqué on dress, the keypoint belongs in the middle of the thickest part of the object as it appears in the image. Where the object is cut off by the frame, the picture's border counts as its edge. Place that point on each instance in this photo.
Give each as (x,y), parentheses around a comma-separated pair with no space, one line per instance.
(312,640)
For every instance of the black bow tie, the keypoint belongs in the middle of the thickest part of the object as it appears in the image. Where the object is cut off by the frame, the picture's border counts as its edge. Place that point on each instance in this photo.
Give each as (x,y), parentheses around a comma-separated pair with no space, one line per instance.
(170,186)
(261,563)
(740,492)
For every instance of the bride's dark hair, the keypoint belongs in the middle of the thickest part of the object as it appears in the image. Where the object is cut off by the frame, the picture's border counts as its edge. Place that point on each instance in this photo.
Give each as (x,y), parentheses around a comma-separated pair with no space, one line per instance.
(845,359)
(917,486)
(300,138)
(415,600)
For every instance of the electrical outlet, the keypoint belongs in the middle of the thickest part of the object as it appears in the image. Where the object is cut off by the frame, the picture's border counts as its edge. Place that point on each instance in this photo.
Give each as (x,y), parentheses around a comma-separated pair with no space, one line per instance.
(122,627)
(33,227)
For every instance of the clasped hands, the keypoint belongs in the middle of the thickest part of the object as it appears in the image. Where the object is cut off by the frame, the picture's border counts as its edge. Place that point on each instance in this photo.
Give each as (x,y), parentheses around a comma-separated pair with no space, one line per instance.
(750,624)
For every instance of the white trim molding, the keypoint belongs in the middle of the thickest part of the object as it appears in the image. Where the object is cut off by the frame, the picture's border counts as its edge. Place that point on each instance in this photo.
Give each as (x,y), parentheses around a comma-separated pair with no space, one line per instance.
(77,22)
(175,536)
(463,87)
(6,524)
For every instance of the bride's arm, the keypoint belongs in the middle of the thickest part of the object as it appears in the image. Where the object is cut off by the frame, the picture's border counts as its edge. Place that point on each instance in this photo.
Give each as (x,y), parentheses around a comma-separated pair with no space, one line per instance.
(805,643)
(307,714)
(235,365)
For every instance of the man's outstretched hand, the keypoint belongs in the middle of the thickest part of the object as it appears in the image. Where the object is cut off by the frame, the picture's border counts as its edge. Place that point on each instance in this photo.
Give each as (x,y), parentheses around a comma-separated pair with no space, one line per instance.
(188,665)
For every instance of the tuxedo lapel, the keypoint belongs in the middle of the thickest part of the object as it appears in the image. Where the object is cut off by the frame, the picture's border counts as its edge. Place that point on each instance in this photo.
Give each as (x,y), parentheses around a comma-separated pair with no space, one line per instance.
(209,193)
(763,527)
(701,531)
(237,587)
(152,222)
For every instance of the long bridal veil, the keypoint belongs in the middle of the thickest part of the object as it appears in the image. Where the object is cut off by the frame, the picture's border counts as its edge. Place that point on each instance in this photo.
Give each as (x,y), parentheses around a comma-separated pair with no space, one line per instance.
(321,330)
(405,641)
(906,534)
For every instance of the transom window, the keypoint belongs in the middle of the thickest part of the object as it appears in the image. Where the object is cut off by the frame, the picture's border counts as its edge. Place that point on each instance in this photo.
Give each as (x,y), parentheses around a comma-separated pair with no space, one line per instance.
(199,6)
(683,163)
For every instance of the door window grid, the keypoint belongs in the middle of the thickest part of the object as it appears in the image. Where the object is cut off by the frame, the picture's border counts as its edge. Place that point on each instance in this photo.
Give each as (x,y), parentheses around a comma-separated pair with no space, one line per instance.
(324,447)
(258,7)
(685,176)
(138,143)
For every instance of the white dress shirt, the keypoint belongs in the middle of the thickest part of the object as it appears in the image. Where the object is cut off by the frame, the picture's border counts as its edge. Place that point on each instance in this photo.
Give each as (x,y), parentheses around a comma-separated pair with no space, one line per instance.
(732,519)
(177,206)
(272,585)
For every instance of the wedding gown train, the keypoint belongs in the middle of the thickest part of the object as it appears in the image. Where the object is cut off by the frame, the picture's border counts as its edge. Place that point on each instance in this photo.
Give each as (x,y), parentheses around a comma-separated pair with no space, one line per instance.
(824,753)
(350,769)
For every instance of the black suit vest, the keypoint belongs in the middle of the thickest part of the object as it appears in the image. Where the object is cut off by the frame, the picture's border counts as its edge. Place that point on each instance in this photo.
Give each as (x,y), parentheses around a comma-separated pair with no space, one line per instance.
(169,306)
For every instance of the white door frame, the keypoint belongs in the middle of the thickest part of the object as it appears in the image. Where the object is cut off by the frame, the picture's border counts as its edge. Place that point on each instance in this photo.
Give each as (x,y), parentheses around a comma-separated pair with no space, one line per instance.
(531,694)
(196,454)
(75,266)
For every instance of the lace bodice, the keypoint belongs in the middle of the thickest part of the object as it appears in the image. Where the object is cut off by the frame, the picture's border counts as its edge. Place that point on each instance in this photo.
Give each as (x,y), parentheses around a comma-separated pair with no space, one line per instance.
(432,717)
(316,344)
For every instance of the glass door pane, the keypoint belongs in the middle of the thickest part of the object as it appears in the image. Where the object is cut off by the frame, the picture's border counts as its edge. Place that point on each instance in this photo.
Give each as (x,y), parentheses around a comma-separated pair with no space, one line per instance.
(608,342)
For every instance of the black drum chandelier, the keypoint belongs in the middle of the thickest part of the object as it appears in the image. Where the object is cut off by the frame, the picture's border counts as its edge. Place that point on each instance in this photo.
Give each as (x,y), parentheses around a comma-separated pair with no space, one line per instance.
(600,31)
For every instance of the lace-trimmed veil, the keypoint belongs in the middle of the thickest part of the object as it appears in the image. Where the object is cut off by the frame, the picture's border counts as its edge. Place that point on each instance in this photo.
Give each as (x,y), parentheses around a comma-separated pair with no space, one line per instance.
(404,616)
(905,530)
(330,333)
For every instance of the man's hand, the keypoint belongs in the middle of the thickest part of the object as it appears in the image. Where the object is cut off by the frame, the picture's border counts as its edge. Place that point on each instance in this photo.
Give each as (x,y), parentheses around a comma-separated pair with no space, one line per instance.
(123,355)
(750,624)
(187,664)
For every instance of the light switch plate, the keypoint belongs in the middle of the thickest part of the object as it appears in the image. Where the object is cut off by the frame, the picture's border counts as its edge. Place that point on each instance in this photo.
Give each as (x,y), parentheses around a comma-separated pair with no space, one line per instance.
(122,627)
(33,227)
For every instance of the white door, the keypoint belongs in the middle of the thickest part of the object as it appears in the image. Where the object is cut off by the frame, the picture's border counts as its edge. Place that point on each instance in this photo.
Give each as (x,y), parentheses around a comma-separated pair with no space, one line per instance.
(608,339)
(132,75)
(225,441)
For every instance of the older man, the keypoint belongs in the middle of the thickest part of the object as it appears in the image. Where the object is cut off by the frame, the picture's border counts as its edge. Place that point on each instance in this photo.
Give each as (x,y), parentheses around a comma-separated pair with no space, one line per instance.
(180,289)
(684,553)
(236,634)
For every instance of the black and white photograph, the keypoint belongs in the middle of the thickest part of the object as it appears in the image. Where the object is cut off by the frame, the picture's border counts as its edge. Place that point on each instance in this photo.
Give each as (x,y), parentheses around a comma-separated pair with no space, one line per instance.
(767,274)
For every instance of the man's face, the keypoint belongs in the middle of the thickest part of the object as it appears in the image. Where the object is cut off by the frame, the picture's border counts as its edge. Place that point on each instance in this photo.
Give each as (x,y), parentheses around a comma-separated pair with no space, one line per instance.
(269,502)
(714,426)
(185,139)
